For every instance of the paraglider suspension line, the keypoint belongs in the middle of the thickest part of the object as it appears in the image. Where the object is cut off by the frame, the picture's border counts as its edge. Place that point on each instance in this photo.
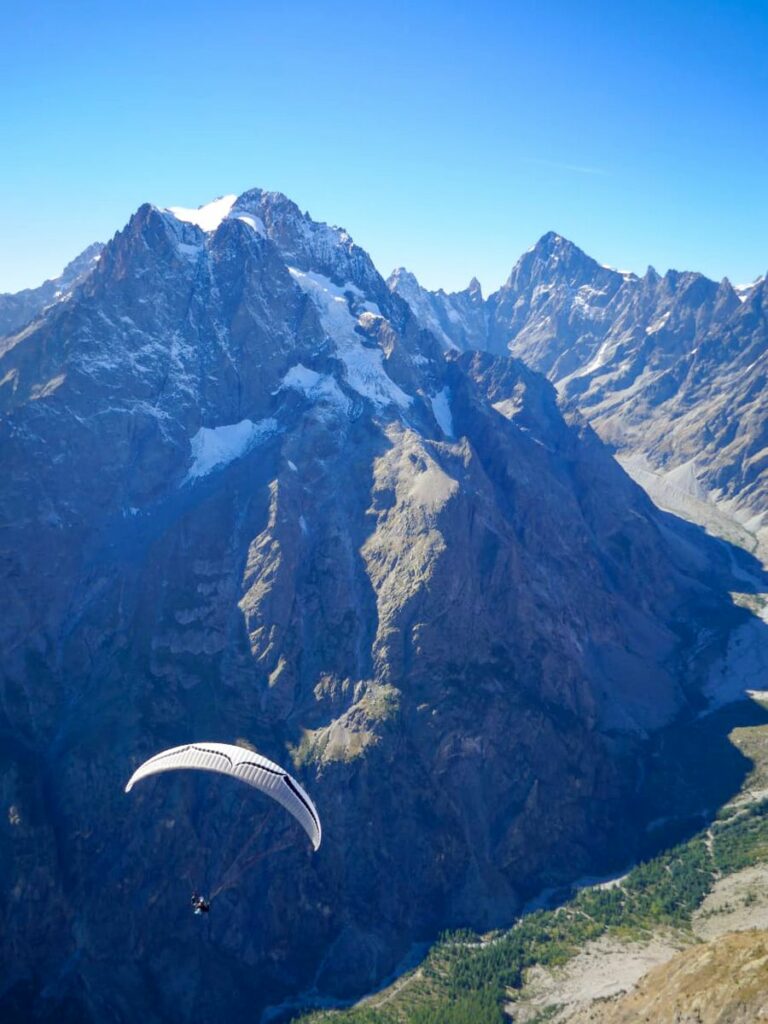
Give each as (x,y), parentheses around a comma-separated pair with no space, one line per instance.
(243,861)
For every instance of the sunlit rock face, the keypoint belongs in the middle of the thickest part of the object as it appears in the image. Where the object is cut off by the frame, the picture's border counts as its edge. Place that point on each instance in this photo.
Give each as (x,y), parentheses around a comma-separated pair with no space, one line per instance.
(246,495)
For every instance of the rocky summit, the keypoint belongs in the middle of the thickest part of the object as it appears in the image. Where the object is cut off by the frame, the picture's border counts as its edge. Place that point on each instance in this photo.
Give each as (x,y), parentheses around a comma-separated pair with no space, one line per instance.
(249,495)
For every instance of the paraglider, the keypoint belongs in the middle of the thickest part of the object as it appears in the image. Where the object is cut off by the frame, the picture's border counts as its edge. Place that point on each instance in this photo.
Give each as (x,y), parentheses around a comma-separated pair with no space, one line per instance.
(247,766)
(200,904)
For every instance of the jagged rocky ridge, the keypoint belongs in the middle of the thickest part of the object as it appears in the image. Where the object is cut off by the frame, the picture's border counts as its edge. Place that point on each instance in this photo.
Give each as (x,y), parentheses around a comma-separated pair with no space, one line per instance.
(18,308)
(669,370)
(245,494)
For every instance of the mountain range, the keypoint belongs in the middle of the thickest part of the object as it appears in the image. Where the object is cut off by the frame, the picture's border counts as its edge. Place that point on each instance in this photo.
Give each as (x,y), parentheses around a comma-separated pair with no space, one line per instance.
(669,370)
(253,492)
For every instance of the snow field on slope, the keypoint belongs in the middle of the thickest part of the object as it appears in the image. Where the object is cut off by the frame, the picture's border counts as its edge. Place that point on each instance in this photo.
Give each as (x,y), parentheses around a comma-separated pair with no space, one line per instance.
(207,217)
(215,447)
(441,408)
(364,366)
(211,215)
(316,386)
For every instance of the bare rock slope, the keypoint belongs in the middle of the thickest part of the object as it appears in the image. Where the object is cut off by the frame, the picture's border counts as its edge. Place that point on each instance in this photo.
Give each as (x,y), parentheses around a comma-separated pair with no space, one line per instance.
(720,982)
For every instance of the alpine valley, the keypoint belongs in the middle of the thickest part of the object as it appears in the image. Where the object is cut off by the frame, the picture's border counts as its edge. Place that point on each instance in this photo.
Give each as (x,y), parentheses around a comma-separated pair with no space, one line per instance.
(252,492)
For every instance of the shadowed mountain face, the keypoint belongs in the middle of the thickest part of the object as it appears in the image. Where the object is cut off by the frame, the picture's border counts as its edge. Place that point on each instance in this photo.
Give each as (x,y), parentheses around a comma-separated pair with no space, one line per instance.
(245,494)
(669,370)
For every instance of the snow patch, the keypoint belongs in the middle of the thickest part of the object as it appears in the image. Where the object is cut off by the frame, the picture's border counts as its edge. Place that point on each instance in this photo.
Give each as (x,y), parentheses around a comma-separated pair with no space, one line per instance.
(587,300)
(600,359)
(508,408)
(657,325)
(255,223)
(316,386)
(743,290)
(207,217)
(214,447)
(441,409)
(302,378)
(628,275)
(364,367)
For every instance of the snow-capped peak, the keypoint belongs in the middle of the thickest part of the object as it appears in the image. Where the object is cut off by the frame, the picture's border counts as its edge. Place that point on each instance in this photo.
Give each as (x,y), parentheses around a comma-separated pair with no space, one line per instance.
(209,216)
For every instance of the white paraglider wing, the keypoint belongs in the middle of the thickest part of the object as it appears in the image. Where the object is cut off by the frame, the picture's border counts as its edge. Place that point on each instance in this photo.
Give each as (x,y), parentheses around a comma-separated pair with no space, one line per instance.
(246,765)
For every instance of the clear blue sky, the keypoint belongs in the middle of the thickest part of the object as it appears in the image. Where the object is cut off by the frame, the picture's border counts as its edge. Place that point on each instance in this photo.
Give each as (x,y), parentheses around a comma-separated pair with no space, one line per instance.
(445,136)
